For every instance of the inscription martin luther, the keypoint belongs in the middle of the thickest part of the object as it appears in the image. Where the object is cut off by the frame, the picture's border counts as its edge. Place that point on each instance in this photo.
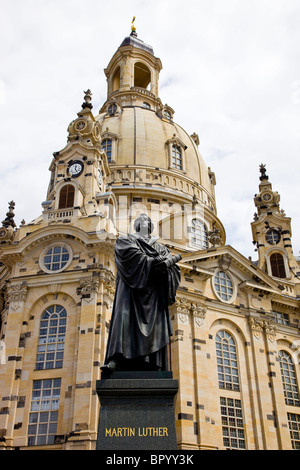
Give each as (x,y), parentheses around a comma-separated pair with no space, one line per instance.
(139,432)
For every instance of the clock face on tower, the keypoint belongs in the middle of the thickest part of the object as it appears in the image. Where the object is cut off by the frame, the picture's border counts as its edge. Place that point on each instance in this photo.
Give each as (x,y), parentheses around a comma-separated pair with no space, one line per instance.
(3,232)
(76,168)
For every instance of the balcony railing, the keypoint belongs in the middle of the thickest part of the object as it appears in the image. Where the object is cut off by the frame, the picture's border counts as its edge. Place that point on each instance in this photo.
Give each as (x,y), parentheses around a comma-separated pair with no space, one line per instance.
(59,214)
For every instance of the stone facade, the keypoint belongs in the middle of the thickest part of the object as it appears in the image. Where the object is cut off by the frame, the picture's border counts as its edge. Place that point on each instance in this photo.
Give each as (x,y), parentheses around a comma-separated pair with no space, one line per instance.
(236,339)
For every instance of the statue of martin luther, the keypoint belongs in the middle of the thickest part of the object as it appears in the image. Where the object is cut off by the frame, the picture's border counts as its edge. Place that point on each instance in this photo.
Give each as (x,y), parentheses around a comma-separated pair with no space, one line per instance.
(146,284)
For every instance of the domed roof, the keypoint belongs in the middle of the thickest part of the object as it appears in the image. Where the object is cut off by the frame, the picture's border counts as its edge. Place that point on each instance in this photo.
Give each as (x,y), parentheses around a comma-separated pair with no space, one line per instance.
(144,138)
(133,40)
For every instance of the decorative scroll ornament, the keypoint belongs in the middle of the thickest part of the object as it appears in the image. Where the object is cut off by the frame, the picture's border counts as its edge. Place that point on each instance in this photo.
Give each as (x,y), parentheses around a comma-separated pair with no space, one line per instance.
(182,309)
(270,329)
(15,296)
(256,326)
(259,326)
(89,285)
(198,311)
(16,293)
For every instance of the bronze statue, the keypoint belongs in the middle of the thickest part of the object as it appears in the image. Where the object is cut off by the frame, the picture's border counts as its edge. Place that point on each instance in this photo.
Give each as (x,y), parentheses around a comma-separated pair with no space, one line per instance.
(147,280)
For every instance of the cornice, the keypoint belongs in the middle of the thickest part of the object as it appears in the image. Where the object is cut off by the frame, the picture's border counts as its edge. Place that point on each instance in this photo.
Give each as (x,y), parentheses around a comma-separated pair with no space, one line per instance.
(13,253)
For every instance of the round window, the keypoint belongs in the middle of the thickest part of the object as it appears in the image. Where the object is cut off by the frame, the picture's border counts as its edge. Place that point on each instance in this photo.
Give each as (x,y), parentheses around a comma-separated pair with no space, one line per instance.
(56,258)
(223,286)
(273,237)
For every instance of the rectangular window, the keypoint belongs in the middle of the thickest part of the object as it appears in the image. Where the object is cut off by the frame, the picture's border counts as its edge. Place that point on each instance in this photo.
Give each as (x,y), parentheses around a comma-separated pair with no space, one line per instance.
(277,265)
(294,425)
(176,157)
(107,147)
(43,415)
(280,318)
(232,423)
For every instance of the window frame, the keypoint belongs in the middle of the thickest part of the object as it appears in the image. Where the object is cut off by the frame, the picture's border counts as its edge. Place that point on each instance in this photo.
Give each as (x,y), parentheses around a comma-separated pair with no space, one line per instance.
(50,343)
(289,378)
(277,265)
(39,408)
(232,421)
(177,157)
(180,145)
(280,318)
(233,286)
(105,148)
(61,206)
(227,361)
(278,251)
(45,252)
(294,429)
(273,237)
(113,138)
(203,234)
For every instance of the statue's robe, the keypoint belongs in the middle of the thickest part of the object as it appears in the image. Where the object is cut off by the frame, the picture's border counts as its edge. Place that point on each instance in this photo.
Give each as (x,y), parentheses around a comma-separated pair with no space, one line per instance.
(140,327)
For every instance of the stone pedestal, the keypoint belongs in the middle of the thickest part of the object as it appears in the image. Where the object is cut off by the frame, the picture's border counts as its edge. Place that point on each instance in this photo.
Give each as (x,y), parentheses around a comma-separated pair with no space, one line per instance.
(137,411)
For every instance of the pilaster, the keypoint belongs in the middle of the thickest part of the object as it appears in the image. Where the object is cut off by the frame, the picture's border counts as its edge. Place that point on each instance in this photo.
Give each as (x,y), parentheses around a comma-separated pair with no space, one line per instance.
(14,343)
(263,337)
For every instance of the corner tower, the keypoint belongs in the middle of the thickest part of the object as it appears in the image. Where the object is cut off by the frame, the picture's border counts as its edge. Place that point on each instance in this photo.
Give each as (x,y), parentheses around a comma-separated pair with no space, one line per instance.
(271,231)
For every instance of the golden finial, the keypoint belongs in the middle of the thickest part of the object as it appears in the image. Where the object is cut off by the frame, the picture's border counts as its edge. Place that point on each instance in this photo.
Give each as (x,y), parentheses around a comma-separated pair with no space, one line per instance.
(133,28)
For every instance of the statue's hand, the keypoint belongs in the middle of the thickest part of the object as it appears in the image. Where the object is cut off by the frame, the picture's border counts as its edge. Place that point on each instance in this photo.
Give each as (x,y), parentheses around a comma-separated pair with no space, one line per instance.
(167,262)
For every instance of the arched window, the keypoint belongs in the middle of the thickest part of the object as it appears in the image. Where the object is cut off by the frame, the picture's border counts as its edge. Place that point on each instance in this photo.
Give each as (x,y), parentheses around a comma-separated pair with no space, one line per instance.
(176,157)
(66,196)
(142,75)
(116,80)
(107,147)
(277,265)
(289,380)
(198,234)
(52,338)
(228,375)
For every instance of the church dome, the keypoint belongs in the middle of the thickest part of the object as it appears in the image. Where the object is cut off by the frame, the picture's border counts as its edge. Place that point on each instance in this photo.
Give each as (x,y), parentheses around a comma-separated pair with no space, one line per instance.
(145,139)
(152,158)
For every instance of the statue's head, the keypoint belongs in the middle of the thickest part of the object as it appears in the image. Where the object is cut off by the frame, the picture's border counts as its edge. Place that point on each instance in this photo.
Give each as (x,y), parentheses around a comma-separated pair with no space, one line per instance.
(143,224)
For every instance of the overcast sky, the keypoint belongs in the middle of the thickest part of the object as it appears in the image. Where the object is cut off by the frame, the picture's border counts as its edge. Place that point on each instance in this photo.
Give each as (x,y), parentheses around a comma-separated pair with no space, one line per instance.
(231,72)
